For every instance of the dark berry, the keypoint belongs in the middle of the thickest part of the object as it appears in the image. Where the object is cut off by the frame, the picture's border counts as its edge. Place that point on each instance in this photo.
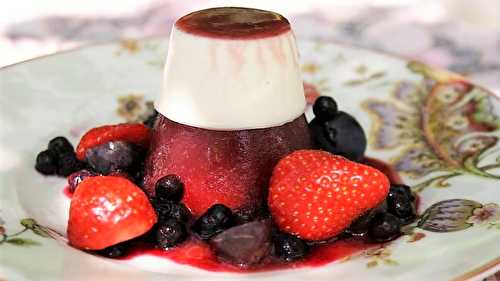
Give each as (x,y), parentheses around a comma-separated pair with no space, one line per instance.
(401,203)
(46,162)
(248,215)
(325,108)
(68,164)
(150,121)
(170,233)
(77,177)
(114,251)
(288,247)
(342,135)
(170,210)
(360,226)
(384,227)
(215,220)
(60,146)
(169,188)
(137,172)
(111,156)
(402,189)
(245,244)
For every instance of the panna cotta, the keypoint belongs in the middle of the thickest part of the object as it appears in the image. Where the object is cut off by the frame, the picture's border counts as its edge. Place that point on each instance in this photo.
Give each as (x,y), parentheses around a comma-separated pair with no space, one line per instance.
(232,105)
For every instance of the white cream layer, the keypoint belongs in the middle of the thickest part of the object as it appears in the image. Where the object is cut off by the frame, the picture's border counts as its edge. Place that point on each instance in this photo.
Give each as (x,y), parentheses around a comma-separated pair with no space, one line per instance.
(225,84)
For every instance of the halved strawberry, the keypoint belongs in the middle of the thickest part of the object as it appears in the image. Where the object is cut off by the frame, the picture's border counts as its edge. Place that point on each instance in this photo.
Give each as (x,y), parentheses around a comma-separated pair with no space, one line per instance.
(106,210)
(133,133)
(316,195)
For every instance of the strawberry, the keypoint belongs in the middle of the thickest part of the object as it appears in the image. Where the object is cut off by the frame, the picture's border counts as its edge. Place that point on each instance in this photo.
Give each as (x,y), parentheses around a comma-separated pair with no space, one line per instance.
(133,133)
(316,195)
(106,210)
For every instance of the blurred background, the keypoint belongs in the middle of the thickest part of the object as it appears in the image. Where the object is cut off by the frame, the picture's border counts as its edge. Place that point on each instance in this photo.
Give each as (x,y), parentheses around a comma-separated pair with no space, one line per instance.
(460,35)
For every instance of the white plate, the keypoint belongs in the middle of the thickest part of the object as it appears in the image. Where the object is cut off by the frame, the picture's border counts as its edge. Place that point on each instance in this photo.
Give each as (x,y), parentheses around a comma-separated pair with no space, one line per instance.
(438,130)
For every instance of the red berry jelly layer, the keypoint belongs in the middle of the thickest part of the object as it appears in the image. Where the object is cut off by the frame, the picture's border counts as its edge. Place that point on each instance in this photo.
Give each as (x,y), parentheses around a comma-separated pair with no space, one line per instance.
(233,23)
(228,167)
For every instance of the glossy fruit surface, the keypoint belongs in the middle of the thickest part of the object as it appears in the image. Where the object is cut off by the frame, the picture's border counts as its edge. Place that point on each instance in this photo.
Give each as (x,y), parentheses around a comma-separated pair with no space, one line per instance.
(289,248)
(244,244)
(169,188)
(107,210)
(111,157)
(325,108)
(341,135)
(215,220)
(384,227)
(315,195)
(137,134)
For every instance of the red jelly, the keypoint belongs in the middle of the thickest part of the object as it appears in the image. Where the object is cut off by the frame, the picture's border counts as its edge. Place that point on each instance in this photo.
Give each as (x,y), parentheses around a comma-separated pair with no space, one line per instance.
(228,167)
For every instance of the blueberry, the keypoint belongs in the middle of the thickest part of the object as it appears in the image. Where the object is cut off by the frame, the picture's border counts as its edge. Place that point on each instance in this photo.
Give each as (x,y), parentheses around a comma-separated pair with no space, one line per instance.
(384,227)
(137,174)
(244,244)
(77,177)
(342,135)
(170,233)
(288,247)
(46,162)
(402,189)
(114,251)
(248,215)
(325,108)
(68,164)
(111,156)
(360,226)
(401,203)
(169,188)
(171,210)
(60,146)
(150,120)
(215,220)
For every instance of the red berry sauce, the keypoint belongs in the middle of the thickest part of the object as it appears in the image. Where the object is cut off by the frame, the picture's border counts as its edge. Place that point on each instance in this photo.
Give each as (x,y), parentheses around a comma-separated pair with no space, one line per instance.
(198,254)
(67,192)
(385,168)
(233,23)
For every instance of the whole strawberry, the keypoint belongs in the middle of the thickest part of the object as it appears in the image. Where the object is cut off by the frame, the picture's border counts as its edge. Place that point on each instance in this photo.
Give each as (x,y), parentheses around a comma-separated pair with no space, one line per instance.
(316,195)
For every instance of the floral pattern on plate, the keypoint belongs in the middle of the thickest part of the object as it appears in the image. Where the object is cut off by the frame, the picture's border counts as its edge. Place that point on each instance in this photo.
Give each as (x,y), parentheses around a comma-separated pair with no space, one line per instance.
(16,238)
(443,124)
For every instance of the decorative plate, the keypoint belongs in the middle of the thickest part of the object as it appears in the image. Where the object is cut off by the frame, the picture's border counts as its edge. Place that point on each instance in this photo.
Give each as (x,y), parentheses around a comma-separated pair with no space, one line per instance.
(438,130)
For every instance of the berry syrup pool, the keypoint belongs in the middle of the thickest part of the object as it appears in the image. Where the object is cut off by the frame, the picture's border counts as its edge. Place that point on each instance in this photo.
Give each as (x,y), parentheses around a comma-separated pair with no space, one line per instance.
(199,254)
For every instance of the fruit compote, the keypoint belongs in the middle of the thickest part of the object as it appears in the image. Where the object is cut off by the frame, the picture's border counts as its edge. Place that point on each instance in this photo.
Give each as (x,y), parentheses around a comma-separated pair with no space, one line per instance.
(228,167)
(201,254)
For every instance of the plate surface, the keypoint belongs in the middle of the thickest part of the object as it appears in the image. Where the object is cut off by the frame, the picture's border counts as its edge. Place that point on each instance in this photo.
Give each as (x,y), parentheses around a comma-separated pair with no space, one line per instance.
(438,130)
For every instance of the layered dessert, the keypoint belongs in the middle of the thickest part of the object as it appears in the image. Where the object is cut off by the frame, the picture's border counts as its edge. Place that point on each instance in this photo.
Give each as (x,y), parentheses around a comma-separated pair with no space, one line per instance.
(232,105)
(227,175)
